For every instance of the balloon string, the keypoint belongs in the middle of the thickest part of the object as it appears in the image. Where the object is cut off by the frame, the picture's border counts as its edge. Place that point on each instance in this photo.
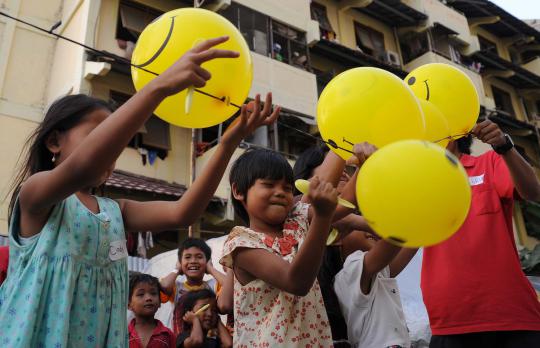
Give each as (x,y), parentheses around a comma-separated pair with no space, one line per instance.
(452,137)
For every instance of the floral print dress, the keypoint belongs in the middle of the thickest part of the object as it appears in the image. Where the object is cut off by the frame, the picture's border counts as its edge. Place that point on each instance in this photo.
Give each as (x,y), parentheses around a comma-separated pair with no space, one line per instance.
(266,316)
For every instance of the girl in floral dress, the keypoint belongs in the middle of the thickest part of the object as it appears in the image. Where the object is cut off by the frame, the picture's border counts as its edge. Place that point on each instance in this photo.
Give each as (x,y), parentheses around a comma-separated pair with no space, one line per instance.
(277,300)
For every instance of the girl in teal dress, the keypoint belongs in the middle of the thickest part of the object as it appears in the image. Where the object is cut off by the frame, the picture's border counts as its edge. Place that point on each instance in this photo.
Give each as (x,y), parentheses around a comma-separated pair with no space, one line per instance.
(67,283)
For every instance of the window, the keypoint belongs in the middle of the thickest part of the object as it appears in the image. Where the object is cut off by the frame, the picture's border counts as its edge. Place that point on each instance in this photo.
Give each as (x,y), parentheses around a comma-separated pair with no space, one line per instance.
(253,26)
(268,37)
(154,135)
(289,45)
(503,100)
(413,45)
(132,19)
(318,13)
(487,45)
(368,40)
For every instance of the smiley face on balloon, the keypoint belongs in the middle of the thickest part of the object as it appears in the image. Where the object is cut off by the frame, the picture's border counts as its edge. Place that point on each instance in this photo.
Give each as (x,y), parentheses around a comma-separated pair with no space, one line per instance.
(166,39)
(367,104)
(451,91)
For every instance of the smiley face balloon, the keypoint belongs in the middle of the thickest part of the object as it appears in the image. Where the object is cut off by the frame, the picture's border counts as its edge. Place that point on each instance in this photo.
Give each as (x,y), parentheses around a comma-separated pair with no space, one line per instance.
(166,39)
(368,104)
(451,91)
(413,193)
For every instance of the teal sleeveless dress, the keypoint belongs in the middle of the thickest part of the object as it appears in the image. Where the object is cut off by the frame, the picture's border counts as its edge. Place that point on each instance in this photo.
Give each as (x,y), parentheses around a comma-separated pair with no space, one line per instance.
(68,286)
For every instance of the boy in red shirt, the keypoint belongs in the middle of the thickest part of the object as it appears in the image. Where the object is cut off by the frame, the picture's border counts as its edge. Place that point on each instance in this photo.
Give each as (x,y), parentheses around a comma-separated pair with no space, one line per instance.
(144,329)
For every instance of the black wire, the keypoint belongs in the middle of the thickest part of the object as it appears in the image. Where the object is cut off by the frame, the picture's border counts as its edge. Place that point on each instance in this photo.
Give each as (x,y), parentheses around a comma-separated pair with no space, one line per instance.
(122,60)
(105,53)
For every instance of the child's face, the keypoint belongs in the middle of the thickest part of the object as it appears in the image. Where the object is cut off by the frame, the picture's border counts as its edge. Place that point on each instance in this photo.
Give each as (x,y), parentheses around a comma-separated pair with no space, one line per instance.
(145,300)
(193,263)
(209,317)
(269,201)
(66,142)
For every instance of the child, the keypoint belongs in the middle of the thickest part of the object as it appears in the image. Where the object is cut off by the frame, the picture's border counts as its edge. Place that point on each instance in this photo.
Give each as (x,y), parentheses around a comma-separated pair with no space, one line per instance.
(69,285)
(144,330)
(194,258)
(202,329)
(277,300)
(368,293)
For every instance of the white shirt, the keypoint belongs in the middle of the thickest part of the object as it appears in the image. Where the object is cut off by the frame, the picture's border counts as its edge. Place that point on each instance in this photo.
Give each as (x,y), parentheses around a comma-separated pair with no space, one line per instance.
(376,319)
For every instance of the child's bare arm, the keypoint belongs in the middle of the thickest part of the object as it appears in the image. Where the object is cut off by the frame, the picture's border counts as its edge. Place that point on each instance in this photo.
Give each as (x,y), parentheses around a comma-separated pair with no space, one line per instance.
(225,300)
(330,170)
(96,154)
(196,337)
(224,336)
(401,261)
(167,283)
(298,276)
(375,261)
(162,215)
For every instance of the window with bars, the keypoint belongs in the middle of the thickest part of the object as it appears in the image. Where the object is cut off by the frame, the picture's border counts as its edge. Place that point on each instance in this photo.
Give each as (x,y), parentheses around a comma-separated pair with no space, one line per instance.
(269,37)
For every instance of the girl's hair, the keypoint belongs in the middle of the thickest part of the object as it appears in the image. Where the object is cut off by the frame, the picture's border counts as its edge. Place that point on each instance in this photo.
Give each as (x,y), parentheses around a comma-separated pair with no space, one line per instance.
(63,114)
(138,278)
(197,243)
(257,164)
(307,162)
(189,300)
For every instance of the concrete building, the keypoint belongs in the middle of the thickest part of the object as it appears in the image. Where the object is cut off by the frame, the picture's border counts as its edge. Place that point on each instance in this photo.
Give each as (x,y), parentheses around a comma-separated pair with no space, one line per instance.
(297,47)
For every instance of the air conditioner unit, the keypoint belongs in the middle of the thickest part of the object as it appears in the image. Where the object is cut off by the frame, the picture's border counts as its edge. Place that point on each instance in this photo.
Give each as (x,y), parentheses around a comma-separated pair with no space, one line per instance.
(390,57)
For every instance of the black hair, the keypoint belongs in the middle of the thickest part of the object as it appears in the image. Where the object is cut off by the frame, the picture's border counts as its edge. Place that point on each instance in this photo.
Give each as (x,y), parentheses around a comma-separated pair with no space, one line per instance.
(257,164)
(189,300)
(197,243)
(63,114)
(464,144)
(307,162)
(136,278)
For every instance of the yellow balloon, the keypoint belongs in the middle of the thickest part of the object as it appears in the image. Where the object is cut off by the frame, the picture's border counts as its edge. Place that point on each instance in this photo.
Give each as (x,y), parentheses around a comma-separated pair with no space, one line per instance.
(368,104)
(437,130)
(451,91)
(166,39)
(413,193)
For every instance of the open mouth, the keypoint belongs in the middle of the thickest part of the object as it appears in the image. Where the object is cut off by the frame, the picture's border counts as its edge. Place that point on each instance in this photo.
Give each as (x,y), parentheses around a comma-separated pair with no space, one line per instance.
(150,306)
(193,268)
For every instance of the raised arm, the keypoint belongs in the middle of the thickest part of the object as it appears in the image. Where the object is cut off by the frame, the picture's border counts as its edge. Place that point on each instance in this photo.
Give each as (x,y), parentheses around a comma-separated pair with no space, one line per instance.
(401,261)
(375,260)
(98,151)
(525,180)
(298,276)
(161,215)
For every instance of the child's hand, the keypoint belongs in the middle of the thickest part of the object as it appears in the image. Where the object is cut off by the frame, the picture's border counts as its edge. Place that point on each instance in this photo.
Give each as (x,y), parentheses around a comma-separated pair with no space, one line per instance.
(189,317)
(251,117)
(362,152)
(323,197)
(187,70)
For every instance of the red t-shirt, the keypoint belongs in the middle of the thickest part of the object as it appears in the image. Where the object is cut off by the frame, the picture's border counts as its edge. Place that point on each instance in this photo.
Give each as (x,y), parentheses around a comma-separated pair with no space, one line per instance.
(4,263)
(473,281)
(162,337)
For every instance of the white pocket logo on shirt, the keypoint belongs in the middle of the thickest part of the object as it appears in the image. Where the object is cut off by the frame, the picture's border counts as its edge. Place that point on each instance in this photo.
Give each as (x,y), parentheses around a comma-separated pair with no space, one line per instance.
(476,180)
(117,250)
